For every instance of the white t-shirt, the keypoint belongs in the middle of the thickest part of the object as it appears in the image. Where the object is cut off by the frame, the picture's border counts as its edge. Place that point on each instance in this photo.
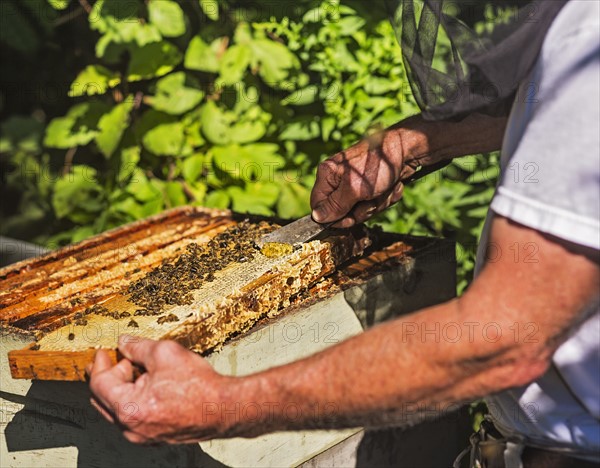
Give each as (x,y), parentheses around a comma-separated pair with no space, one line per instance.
(550,181)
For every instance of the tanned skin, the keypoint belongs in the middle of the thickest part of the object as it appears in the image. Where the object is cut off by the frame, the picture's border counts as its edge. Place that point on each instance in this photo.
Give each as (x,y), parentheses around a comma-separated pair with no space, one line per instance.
(375,378)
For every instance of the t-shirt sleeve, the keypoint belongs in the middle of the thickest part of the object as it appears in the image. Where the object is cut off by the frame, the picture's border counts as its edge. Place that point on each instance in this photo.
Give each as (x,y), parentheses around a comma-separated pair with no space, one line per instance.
(551,179)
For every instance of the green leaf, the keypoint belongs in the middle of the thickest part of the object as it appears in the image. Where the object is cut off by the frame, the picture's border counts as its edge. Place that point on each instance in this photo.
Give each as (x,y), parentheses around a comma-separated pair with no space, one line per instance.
(258,161)
(113,15)
(165,139)
(130,157)
(215,123)
(197,191)
(175,194)
(141,188)
(293,201)
(77,128)
(59,4)
(193,167)
(93,79)
(78,196)
(301,130)
(378,85)
(153,207)
(82,233)
(302,97)
(247,131)
(152,60)
(210,8)
(149,120)
(194,138)
(217,199)
(233,65)
(127,206)
(268,192)
(255,199)
(21,133)
(327,126)
(350,24)
(242,33)
(273,60)
(109,51)
(243,124)
(111,126)
(203,57)
(120,22)
(266,156)
(489,174)
(168,17)
(176,94)
(466,163)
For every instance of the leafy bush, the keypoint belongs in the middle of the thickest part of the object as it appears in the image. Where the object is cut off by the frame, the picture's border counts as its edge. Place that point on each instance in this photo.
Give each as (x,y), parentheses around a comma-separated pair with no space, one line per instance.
(220,104)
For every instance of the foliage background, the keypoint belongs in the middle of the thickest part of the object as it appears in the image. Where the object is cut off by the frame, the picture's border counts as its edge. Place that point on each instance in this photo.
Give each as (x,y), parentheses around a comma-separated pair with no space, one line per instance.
(114,110)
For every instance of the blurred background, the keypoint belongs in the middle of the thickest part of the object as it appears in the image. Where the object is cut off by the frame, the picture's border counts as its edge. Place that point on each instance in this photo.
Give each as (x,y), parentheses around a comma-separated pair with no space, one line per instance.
(115,110)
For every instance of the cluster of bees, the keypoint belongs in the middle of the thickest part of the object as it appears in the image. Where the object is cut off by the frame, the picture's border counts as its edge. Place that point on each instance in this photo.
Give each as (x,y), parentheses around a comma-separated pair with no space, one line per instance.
(172,283)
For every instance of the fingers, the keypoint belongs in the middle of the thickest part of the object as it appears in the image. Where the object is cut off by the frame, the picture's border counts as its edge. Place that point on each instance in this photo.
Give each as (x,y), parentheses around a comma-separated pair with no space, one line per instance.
(362,172)
(107,382)
(135,438)
(336,188)
(102,362)
(153,355)
(333,207)
(327,182)
(366,209)
(102,410)
(139,350)
(97,371)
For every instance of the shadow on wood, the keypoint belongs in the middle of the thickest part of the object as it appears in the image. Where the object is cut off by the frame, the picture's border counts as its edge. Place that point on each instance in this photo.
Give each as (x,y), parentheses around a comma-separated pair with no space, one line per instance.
(58,414)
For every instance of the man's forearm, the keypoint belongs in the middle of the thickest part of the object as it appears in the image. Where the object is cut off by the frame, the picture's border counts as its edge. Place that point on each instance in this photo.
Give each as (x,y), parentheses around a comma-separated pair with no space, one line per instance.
(394,374)
(429,142)
(498,335)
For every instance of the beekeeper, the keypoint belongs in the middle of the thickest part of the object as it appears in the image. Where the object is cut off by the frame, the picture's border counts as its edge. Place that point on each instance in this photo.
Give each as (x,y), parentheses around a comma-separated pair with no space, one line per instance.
(532,90)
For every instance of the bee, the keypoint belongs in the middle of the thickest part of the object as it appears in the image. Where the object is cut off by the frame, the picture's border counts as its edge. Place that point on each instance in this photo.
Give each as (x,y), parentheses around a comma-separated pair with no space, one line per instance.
(167,318)
(133,323)
(71,336)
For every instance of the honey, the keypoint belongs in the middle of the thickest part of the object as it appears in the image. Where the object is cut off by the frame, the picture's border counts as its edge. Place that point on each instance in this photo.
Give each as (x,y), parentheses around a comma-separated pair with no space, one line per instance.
(276,249)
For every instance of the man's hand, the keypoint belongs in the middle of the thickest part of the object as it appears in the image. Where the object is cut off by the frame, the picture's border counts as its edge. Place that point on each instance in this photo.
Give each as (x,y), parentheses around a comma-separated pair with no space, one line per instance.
(366,178)
(363,180)
(165,404)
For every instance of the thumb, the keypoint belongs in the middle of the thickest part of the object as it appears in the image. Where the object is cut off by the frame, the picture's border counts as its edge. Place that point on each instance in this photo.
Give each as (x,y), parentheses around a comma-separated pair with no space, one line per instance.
(138,350)
(334,207)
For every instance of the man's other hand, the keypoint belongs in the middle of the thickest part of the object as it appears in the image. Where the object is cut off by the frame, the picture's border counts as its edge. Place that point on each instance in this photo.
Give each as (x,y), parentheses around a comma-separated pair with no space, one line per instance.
(178,399)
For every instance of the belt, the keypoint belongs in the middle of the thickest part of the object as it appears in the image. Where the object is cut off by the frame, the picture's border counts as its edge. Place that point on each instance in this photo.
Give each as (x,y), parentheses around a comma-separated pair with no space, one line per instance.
(487,450)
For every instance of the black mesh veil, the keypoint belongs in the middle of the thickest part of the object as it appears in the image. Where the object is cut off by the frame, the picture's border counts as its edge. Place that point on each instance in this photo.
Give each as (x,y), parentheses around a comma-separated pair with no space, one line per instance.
(465,56)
